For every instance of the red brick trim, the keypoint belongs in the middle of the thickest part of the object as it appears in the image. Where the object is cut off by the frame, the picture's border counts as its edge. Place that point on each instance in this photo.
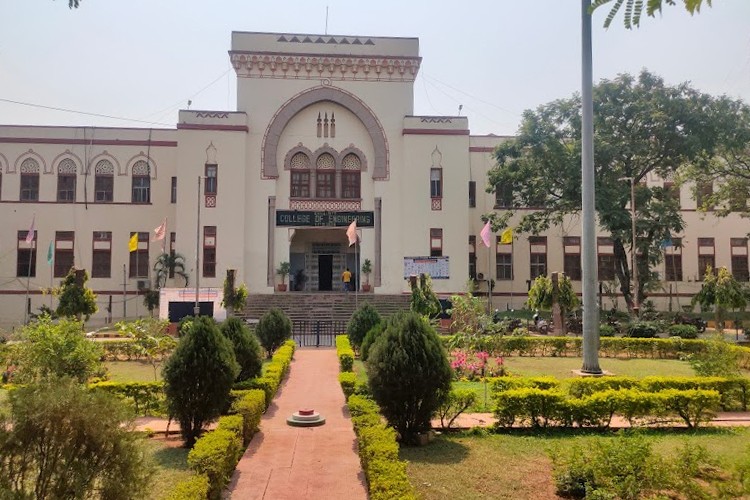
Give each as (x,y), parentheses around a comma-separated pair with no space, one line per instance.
(481,149)
(427,131)
(206,126)
(53,202)
(86,142)
(98,292)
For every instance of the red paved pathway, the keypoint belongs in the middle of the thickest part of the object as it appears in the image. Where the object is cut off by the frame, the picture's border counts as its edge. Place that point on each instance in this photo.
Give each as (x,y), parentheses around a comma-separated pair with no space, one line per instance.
(284,462)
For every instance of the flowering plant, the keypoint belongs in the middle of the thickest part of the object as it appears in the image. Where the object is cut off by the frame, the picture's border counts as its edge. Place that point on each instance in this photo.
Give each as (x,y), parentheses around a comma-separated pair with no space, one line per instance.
(472,366)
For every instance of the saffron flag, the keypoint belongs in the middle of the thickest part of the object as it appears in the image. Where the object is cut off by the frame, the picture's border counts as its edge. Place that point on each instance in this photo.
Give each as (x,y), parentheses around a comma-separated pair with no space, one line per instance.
(351,232)
(161,231)
(506,237)
(50,254)
(133,243)
(485,234)
(32,231)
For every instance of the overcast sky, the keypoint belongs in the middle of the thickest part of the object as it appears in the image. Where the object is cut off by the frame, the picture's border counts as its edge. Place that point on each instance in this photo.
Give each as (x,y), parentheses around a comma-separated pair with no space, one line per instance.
(143,59)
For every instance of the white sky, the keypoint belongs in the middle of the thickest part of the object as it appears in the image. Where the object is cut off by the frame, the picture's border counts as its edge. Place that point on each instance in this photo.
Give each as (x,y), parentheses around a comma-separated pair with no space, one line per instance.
(143,59)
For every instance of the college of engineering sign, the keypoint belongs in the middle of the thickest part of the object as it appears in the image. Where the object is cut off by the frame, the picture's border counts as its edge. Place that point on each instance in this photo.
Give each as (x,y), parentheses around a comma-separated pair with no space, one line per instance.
(297,218)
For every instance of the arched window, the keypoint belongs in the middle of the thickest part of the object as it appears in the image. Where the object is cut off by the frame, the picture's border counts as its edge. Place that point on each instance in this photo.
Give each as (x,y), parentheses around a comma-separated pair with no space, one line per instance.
(350,176)
(104,181)
(300,176)
(29,180)
(141,182)
(66,181)
(325,176)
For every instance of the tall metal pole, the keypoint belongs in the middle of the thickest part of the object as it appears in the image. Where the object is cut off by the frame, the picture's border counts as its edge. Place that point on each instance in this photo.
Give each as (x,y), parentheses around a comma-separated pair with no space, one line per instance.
(197,307)
(588,257)
(124,293)
(634,248)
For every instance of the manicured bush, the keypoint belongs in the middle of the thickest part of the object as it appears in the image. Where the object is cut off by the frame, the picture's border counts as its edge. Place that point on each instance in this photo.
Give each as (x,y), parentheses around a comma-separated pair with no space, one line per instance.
(273,329)
(361,322)
(246,348)
(642,330)
(371,336)
(499,384)
(348,381)
(250,406)
(198,377)
(146,398)
(458,401)
(409,374)
(195,488)
(231,423)
(587,386)
(693,406)
(535,407)
(606,330)
(345,353)
(683,331)
(216,454)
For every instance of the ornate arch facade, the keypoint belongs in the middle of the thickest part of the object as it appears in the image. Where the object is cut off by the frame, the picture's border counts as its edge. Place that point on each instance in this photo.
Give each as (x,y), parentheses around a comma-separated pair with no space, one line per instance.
(31,154)
(270,145)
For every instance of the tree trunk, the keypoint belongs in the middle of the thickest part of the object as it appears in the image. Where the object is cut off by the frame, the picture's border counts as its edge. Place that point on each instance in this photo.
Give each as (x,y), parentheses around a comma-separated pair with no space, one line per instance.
(622,270)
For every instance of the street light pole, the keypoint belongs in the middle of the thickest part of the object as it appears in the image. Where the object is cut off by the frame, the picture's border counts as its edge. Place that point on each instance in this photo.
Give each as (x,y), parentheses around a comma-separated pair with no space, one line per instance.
(633,246)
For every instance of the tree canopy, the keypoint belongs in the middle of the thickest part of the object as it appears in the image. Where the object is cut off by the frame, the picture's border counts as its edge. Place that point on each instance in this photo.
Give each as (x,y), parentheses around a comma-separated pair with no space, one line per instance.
(642,126)
(634,9)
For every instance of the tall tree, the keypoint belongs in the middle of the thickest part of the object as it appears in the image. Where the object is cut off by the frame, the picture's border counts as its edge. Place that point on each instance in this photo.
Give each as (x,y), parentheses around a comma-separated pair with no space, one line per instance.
(641,126)
(75,299)
(634,9)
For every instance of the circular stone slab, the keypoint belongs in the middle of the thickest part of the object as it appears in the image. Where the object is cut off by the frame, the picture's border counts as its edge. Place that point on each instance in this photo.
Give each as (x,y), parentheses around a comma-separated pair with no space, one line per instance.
(305,423)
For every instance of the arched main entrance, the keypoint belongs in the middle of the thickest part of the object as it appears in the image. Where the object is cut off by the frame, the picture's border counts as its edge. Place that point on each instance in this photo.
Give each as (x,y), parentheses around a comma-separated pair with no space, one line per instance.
(318,257)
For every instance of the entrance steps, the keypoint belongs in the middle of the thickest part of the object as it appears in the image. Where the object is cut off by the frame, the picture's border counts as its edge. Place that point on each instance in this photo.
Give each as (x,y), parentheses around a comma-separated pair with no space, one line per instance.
(321,306)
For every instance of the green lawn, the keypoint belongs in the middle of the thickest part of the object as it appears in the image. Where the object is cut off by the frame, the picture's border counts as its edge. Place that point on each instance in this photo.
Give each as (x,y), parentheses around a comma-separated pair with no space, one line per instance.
(132,371)
(563,367)
(170,466)
(517,466)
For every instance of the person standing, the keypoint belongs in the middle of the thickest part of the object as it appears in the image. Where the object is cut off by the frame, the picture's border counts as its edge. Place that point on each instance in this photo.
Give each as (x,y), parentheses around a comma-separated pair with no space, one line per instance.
(346,277)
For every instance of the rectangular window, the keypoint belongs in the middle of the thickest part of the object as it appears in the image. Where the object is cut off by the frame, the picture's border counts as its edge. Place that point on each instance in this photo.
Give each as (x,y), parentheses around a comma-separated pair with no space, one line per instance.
(103,188)
(503,260)
(25,256)
(209,251)
(172,246)
(503,196)
(738,199)
(350,185)
(101,264)
(325,186)
(66,188)
(472,194)
(300,184)
(139,258)
(436,242)
(64,242)
(538,254)
(141,189)
(29,187)
(739,259)
(703,193)
(706,255)
(173,191)
(673,191)
(572,257)
(472,256)
(436,182)
(211,179)
(673,261)
(605,258)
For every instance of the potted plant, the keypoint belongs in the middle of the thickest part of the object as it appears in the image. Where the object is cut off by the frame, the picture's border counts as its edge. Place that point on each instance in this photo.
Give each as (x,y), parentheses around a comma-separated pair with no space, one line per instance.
(366,270)
(283,271)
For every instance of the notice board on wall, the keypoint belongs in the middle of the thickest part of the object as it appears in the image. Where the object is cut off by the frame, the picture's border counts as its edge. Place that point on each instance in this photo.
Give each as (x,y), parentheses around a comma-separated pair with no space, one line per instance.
(437,267)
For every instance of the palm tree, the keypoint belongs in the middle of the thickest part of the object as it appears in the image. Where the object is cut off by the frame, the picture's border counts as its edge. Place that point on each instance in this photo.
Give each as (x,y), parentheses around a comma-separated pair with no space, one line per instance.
(169,265)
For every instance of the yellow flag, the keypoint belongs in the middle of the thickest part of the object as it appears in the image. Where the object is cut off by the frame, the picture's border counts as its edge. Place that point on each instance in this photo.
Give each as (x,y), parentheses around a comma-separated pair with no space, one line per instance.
(506,237)
(133,243)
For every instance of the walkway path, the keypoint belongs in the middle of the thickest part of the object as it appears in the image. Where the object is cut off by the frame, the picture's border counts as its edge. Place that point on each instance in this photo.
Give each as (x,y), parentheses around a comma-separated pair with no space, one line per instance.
(284,462)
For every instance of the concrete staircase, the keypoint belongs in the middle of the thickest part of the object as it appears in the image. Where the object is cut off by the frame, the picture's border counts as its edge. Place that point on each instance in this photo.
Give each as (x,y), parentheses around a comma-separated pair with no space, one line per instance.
(321,306)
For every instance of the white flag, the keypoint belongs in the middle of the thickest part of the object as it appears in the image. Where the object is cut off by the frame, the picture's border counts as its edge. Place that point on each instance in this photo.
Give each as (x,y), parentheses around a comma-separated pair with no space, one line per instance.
(32,231)
(351,232)
(161,231)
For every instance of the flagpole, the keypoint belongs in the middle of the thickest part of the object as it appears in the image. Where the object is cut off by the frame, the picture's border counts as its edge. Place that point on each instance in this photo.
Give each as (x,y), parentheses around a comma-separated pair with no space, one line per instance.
(489,278)
(356,280)
(32,235)
(51,272)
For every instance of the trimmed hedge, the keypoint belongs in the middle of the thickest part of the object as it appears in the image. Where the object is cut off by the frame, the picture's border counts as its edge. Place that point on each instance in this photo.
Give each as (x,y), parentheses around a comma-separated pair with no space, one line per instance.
(612,347)
(500,384)
(195,488)
(216,455)
(378,452)
(348,381)
(145,397)
(273,374)
(250,406)
(345,353)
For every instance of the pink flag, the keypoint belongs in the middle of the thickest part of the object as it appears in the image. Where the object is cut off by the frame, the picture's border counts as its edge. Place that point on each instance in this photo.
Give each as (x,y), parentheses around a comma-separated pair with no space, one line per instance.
(161,231)
(485,234)
(32,231)
(351,232)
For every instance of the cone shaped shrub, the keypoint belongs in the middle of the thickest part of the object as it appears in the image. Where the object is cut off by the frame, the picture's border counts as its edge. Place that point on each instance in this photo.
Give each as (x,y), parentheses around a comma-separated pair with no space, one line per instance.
(409,374)
(362,321)
(246,348)
(198,377)
(273,329)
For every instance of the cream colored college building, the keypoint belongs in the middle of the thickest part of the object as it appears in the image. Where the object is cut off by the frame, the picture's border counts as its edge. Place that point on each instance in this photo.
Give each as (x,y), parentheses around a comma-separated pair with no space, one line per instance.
(324,134)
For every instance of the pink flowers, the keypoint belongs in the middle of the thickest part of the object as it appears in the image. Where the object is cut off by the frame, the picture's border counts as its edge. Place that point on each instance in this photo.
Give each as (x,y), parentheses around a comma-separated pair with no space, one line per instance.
(473,366)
